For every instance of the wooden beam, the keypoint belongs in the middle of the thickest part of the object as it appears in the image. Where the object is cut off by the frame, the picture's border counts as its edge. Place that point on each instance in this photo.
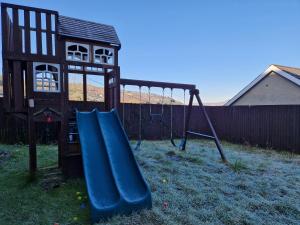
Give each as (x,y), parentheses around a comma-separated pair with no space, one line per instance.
(4,19)
(17,86)
(6,95)
(187,120)
(84,87)
(147,83)
(49,34)
(16,32)
(29,83)
(27,32)
(38,33)
(14,6)
(32,145)
(106,92)
(117,89)
(217,141)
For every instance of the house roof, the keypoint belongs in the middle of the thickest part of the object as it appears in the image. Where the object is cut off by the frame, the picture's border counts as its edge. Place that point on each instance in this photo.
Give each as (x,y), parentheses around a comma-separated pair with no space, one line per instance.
(295,72)
(71,27)
(290,73)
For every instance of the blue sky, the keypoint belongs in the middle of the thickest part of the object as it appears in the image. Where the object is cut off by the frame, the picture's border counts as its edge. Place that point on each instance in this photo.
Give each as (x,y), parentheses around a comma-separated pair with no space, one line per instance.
(219,45)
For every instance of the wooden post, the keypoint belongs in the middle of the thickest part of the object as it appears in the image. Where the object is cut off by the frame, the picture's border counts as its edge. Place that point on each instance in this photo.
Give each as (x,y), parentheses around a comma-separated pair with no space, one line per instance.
(49,35)
(4,30)
(27,32)
(195,92)
(117,89)
(217,141)
(39,46)
(61,140)
(17,86)
(16,32)
(106,91)
(31,123)
(32,145)
(6,86)
(187,120)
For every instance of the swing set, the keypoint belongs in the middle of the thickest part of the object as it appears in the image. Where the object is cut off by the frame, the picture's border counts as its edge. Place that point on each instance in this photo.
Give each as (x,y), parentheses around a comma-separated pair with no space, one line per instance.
(159,116)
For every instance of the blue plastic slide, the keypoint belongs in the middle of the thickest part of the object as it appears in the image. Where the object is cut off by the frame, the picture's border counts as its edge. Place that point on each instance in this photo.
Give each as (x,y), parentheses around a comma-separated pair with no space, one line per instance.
(114,181)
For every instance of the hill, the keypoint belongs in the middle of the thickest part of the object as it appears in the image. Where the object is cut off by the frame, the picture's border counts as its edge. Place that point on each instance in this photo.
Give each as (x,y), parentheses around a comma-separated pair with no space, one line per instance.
(97,94)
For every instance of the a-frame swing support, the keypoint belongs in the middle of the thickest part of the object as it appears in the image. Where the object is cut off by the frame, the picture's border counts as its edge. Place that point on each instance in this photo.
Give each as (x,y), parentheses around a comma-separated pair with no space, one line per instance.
(195,92)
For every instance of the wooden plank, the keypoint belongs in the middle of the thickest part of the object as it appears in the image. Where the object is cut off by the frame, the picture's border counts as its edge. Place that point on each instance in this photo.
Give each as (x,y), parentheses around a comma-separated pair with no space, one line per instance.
(14,6)
(84,87)
(29,84)
(17,86)
(38,33)
(6,95)
(32,145)
(159,84)
(117,89)
(106,92)
(16,32)
(27,31)
(49,34)
(4,18)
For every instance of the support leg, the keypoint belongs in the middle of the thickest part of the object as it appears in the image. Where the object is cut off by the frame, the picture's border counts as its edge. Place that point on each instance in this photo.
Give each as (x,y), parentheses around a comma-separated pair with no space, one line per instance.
(217,141)
(32,146)
(187,120)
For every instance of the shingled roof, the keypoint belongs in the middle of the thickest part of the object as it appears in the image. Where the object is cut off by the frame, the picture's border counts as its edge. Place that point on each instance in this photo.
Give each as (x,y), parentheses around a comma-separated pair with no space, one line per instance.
(71,27)
(295,72)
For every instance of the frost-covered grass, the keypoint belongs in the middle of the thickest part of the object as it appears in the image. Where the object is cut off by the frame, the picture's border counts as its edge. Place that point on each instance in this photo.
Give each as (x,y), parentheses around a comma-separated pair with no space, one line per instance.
(194,187)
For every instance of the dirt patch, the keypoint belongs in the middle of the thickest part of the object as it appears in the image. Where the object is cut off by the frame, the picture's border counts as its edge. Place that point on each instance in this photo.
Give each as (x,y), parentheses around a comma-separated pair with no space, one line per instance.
(52,178)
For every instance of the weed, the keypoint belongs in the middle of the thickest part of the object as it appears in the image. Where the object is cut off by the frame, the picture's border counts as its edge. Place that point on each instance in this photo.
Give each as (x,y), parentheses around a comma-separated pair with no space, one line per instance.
(238,166)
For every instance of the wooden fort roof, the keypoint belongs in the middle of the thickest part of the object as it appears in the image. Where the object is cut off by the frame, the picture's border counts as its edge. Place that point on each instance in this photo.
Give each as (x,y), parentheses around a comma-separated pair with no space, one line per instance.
(71,27)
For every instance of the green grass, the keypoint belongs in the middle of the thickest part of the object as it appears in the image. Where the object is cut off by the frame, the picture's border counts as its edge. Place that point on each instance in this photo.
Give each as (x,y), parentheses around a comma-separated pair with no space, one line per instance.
(256,187)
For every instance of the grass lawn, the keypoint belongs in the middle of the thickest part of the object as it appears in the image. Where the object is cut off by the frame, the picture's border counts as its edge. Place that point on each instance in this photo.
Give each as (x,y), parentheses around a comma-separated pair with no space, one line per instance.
(194,187)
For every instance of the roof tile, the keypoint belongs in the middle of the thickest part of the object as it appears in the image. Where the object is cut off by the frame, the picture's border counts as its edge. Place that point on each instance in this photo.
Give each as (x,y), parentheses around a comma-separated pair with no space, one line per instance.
(77,28)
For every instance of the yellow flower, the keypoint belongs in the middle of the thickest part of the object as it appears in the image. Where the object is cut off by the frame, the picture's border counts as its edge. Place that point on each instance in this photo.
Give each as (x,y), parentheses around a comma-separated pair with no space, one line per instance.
(78,193)
(75,218)
(79,198)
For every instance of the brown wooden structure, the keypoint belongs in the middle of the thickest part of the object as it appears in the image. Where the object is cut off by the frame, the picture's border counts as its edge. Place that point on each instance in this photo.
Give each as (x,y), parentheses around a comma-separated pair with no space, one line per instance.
(41,50)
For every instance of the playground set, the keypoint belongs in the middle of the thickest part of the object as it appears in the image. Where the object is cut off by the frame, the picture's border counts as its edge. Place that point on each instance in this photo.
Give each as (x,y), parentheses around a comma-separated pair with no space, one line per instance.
(41,50)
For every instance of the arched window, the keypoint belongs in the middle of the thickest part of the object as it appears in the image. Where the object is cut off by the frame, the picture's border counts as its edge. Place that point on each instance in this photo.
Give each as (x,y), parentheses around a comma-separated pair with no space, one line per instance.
(103,55)
(77,52)
(46,77)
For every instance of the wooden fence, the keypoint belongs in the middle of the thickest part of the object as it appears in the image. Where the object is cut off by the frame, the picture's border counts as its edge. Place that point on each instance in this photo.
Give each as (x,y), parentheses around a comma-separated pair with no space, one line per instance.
(276,127)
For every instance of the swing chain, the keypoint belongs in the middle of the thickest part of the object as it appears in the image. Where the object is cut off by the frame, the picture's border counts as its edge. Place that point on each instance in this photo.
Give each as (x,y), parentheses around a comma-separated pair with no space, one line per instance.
(123,106)
(140,122)
(184,108)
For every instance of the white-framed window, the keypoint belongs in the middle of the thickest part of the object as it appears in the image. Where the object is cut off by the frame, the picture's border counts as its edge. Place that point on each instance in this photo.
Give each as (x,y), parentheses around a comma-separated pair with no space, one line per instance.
(77,52)
(46,77)
(103,55)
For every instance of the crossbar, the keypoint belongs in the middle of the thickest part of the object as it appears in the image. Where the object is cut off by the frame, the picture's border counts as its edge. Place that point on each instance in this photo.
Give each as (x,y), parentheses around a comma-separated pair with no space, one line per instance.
(158,84)
(201,135)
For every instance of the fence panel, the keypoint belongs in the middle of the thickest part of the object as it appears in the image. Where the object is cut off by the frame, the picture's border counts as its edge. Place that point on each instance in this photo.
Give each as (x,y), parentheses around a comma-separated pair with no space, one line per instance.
(275,127)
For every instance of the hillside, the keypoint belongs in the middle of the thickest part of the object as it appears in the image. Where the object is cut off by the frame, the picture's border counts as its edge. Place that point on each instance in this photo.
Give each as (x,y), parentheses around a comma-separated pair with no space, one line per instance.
(97,94)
